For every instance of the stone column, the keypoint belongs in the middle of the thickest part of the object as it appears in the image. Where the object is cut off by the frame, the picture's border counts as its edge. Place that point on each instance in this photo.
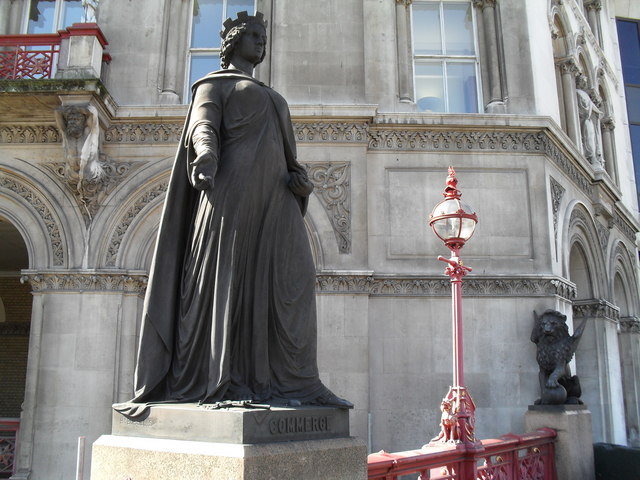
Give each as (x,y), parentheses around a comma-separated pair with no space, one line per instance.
(490,49)
(629,339)
(81,360)
(173,54)
(568,70)
(593,8)
(405,55)
(598,367)
(607,126)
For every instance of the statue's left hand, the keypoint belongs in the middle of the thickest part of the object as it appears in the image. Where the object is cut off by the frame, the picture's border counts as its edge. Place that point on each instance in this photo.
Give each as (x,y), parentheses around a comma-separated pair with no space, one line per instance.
(299,184)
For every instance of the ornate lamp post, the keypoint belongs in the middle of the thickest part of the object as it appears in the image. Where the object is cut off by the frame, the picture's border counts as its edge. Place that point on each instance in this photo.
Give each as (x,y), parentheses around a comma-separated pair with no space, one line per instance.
(454,223)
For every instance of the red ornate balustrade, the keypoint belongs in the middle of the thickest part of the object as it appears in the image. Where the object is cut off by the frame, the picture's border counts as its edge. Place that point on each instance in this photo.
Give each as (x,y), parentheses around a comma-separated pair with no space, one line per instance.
(510,457)
(34,57)
(9,428)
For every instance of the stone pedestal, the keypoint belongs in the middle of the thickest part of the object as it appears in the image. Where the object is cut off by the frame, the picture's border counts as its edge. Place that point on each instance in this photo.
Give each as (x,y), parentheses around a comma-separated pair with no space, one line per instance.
(192,443)
(574,444)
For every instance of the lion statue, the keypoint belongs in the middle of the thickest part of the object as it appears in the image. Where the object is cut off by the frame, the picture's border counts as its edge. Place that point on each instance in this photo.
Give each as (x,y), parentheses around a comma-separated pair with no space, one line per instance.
(555,348)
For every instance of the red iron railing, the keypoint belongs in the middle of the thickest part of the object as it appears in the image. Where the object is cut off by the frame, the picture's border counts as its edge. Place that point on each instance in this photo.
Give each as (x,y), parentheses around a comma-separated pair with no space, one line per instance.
(34,57)
(9,428)
(510,457)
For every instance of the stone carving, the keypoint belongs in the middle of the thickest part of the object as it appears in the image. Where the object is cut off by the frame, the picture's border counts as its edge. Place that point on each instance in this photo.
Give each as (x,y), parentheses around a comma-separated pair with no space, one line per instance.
(138,205)
(30,134)
(596,308)
(555,348)
(589,125)
(85,281)
(329,283)
(630,325)
(331,132)
(38,204)
(332,182)
(603,235)
(143,133)
(624,225)
(90,11)
(557,192)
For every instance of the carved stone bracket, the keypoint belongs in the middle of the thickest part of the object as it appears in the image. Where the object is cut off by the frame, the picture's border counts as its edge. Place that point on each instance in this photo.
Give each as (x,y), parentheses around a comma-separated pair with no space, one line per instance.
(29,134)
(332,182)
(596,308)
(94,191)
(143,133)
(79,281)
(125,221)
(629,325)
(439,286)
(39,205)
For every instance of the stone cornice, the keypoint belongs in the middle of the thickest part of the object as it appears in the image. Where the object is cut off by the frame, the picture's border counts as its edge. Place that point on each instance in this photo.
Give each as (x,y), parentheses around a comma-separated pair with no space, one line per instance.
(85,281)
(432,285)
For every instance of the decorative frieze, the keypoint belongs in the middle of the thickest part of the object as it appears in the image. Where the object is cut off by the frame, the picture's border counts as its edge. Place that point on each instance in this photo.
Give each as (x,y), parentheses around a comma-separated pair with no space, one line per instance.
(629,325)
(349,132)
(90,281)
(29,134)
(596,308)
(121,228)
(38,204)
(332,182)
(143,133)
(331,283)
(624,226)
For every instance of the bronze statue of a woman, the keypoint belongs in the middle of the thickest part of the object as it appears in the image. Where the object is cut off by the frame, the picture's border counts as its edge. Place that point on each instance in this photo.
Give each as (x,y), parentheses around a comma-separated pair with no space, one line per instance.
(230,309)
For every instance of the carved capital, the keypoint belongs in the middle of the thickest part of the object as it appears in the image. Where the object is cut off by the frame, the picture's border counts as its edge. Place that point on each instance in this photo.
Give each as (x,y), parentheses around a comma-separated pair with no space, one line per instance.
(593,5)
(89,281)
(608,123)
(629,325)
(568,66)
(406,3)
(596,308)
(482,4)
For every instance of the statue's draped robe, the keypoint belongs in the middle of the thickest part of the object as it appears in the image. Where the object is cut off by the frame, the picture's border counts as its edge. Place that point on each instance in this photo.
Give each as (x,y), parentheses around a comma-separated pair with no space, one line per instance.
(230,307)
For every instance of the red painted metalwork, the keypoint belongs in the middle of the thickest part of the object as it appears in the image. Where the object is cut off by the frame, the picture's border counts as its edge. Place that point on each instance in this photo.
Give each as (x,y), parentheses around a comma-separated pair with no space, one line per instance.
(510,457)
(9,429)
(34,57)
(457,423)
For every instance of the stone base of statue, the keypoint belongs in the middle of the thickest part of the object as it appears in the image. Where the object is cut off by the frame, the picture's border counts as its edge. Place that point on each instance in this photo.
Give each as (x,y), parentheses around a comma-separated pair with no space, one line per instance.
(574,443)
(192,443)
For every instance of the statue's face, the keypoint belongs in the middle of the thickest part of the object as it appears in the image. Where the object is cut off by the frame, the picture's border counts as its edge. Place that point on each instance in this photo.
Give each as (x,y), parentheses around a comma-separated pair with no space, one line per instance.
(252,43)
(75,123)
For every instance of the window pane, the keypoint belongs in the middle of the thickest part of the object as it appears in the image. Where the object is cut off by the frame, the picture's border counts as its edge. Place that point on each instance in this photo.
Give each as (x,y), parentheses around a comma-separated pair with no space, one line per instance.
(41,16)
(430,87)
(201,65)
(458,29)
(72,13)
(206,24)
(235,6)
(629,51)
(635,151)
(426,29)
(633,103)
(461,88)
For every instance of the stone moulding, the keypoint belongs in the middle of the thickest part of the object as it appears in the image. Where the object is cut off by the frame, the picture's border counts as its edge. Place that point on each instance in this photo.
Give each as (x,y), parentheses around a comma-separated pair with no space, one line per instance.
(85,281)
(168,132)
(125,221)
(350,132)
(29,134)
(378,285)
(36,202)
(332,182)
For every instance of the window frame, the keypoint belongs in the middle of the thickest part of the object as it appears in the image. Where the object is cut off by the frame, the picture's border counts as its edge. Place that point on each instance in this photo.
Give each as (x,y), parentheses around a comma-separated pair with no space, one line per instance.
(58,17)
(444,59)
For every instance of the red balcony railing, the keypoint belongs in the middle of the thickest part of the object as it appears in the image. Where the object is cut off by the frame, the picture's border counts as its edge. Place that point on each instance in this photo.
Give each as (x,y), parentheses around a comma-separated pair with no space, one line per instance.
(9,428)
(510,457)
(34,57)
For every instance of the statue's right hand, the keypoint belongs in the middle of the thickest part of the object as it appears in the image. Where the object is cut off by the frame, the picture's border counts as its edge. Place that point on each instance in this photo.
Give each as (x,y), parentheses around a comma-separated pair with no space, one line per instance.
(203,171)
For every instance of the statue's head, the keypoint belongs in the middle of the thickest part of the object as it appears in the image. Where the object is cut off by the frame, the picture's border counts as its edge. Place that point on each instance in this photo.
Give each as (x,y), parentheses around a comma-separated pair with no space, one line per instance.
(234,30)
(75,121)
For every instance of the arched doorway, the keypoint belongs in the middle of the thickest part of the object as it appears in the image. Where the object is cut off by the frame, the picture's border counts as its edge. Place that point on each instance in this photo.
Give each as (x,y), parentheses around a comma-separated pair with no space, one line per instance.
(15,320)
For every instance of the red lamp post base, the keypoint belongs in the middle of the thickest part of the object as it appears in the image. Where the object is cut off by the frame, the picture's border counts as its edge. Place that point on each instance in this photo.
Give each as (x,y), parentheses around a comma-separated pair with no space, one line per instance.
(457,423)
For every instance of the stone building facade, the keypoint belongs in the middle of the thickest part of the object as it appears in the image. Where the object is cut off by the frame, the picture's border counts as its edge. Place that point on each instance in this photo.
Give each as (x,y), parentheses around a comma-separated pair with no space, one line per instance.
(525,98)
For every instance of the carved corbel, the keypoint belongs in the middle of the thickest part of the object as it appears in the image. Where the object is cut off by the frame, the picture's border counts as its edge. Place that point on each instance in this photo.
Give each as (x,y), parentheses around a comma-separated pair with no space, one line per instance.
(406,3)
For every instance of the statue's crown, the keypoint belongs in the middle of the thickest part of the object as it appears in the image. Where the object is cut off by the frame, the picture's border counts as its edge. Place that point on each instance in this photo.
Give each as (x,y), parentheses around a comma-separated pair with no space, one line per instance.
(243,17)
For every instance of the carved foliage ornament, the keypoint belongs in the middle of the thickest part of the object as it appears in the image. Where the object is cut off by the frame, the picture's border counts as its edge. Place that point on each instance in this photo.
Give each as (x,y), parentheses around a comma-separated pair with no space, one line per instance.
(143,133)
(86,281)
(29,134)
(38,204)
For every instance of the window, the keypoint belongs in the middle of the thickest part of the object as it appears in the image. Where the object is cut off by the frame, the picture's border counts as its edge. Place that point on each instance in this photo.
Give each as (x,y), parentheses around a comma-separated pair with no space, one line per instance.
(205,41)
(49,16)
(629,40)
(445,58)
